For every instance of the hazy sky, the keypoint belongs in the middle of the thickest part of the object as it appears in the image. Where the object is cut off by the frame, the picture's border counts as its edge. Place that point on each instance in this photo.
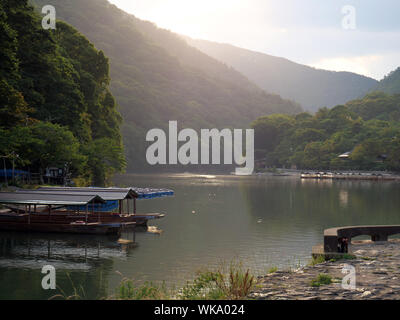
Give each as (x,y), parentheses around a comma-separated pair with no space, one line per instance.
(305,31)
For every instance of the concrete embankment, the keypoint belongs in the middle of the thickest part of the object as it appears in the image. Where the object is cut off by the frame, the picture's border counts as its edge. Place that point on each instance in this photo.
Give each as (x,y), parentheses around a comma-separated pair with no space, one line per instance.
(377,276)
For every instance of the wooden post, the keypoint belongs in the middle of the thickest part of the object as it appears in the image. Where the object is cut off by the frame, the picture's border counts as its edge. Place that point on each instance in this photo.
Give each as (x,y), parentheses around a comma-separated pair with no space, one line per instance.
(5,171)
(127,201)
(134,205)
(87,212)
(98,213)
(29,214)
(120,206)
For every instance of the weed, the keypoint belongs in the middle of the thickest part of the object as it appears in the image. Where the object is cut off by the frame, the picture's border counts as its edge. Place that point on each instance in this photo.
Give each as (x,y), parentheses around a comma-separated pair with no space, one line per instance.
(321,279)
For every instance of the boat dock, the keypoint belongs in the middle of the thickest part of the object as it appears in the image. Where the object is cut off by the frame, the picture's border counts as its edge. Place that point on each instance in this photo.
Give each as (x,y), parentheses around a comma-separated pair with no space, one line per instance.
(76,210)
(348,176)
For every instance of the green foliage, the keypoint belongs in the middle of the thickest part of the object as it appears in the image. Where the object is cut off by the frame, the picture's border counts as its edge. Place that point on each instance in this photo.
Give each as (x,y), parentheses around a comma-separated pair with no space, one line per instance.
(317,260)
(55,105)
(391,83)
(105,158)
(234,284)
(369,128)
(204,286)
(272,270)
(128,290)
(321,279)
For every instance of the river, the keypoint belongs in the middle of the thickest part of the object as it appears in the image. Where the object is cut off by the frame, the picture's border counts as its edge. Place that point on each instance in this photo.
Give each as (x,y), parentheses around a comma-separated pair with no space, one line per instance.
(261,221)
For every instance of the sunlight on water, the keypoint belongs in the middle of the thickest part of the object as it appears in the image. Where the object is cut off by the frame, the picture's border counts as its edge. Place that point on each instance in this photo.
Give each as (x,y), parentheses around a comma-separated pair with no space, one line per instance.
(261,221)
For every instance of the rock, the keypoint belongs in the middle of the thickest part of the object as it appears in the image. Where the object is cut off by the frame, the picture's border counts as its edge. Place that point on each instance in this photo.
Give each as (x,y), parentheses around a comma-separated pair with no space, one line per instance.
(375,279)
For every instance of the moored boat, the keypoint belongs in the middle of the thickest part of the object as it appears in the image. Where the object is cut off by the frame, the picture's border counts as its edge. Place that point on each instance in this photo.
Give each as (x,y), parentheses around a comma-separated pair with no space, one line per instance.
(76,210)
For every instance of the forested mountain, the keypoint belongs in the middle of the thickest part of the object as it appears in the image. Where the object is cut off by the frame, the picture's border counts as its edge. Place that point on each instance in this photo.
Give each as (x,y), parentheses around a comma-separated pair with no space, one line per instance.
(368,128)
(391,83)
(157,77)
(312,88)
(55,105)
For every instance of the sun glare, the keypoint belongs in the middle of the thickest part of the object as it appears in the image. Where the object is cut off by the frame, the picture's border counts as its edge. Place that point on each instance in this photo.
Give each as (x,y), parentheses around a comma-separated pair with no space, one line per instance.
(188,17)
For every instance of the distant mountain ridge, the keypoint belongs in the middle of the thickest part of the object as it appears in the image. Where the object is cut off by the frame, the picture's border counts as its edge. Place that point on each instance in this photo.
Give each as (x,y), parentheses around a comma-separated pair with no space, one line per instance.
(156,77)
(312,88)
(391,83)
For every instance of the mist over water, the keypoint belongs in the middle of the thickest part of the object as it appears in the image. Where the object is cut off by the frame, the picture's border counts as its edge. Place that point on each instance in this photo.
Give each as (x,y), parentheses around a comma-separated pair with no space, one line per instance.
(261,221)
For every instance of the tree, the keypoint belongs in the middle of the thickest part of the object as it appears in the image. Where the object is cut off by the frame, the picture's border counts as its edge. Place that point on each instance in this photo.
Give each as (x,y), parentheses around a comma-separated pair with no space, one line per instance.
(104,159)
(44,145)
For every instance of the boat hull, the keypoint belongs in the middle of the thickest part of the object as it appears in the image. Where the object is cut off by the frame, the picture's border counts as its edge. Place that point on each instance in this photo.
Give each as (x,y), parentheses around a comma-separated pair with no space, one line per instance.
(90,228)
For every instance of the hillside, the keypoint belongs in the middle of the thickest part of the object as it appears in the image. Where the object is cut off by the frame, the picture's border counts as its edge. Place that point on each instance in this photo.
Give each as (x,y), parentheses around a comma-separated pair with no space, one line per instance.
(157,77)
(367,128)
(312,88)
(391,83)
(56,109)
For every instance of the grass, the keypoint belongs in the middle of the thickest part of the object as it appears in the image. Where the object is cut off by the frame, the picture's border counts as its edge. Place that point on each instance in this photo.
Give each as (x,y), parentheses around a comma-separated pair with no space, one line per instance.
(367,258)
(321,279)
(321,259)
(317,260)
(235,283)
(272,270)
(78,292)
(232,284)
(128,290)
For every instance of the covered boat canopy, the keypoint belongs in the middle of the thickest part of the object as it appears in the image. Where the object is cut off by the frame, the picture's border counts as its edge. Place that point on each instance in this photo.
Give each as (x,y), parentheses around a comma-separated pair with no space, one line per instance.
(56,198)
(101,192)
(116,193)
(149,193)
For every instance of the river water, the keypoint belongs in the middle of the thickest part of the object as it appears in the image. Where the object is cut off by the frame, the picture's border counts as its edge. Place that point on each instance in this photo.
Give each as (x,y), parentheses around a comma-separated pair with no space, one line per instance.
(261,221)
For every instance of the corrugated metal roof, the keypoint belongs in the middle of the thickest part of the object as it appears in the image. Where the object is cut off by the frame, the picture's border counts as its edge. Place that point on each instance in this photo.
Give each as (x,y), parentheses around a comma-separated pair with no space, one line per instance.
(140,193)
(39,198)
(106,195)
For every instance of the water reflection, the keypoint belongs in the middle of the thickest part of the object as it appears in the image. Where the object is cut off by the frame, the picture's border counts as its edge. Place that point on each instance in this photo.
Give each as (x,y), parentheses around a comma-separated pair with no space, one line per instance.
(78,259)
(262,221)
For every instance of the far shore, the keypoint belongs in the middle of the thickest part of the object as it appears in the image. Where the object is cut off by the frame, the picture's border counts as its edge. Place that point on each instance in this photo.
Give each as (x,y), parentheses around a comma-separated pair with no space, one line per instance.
(331,174)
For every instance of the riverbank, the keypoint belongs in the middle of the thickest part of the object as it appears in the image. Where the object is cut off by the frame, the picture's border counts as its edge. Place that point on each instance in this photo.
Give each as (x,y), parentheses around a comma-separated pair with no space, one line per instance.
(377,267)
(332,175)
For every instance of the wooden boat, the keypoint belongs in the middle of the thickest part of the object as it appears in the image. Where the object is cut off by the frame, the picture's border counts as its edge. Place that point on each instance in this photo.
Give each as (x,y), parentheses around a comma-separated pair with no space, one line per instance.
(73,227)
(74,210)
(66,216)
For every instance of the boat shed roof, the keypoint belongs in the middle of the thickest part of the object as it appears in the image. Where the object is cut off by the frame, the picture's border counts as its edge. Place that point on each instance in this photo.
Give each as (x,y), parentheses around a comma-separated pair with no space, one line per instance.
(41,198)
(106,195)
(116,193)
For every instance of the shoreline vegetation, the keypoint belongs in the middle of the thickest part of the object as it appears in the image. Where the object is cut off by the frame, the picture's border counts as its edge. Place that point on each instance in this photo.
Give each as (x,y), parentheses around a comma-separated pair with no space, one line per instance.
(332,175)
(363,134)
(56,107)
(376,267)
(232,282)
(371,175)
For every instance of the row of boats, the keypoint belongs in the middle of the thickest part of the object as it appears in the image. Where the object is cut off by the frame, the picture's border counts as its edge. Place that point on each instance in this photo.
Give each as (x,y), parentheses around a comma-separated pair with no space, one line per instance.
(346,175)
(76,210)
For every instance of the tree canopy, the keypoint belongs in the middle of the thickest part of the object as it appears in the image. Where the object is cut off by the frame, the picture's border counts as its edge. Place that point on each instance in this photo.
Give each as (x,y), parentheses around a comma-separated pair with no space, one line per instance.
(368,128)
(55,104)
